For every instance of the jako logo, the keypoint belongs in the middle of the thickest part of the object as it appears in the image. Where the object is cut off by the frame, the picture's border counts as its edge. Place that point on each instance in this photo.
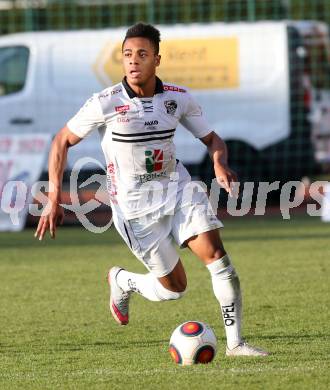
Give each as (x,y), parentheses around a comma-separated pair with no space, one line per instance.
(151,123)
(154,160)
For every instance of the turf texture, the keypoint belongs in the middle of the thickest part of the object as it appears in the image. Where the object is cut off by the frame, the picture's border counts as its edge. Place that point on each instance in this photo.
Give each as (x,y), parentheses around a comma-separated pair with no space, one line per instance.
(56,331)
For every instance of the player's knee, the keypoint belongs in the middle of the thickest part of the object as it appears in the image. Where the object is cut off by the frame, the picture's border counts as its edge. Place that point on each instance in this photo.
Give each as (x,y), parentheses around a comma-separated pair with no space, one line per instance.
(216,253)
(176,280)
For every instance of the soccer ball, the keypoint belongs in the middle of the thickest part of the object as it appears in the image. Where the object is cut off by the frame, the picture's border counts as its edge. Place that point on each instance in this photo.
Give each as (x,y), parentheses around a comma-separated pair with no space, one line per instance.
(193,342)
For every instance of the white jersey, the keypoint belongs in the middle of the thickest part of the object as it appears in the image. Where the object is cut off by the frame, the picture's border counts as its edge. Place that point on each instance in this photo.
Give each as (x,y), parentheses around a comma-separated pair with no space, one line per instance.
(137,141)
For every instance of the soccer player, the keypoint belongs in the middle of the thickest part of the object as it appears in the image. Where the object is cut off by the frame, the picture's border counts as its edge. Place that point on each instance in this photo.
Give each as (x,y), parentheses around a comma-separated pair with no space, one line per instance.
(136,120)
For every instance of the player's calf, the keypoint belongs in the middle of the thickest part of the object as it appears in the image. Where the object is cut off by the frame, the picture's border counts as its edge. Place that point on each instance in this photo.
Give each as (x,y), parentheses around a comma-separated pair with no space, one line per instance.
(146,285)
(226,288)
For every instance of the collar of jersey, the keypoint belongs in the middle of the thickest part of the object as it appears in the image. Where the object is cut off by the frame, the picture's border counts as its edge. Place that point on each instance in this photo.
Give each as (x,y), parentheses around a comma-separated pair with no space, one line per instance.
(158,89)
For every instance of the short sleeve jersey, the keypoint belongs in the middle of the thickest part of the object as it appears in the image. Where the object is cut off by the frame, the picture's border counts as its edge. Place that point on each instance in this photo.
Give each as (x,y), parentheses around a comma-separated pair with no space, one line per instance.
(137,140)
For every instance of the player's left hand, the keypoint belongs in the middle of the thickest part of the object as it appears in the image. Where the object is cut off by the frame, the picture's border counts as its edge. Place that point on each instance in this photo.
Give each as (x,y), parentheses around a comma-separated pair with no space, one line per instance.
(225,177)
(49,220)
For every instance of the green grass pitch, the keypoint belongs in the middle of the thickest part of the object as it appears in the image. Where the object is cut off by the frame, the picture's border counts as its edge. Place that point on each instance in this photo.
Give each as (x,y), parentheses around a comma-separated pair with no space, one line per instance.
(56,331)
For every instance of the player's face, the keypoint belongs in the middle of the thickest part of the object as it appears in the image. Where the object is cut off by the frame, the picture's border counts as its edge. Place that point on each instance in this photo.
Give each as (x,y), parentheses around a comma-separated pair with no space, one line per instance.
(139,60)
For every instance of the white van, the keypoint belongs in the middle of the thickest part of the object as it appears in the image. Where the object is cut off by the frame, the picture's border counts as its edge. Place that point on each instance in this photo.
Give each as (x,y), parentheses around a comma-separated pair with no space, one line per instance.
(244,75)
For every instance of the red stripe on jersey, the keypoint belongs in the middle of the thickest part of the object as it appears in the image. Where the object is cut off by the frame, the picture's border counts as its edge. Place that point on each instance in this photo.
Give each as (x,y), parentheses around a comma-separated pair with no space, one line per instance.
(159,159)
(173,88)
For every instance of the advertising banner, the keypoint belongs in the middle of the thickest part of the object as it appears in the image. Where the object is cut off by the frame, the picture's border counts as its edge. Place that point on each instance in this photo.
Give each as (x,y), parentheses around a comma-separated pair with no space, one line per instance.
(22,160)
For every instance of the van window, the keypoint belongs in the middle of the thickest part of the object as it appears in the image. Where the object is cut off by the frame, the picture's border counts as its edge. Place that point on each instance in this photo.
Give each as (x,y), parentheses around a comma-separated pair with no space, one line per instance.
(13,68)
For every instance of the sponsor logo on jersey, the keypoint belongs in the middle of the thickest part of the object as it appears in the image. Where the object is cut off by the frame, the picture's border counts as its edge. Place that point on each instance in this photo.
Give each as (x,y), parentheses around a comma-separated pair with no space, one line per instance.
(108,93)
(171,106)
(112,182)
(173,88)
(152,176)
(154,160)
(122,120)
(115,91)
(151,123)
(122,109)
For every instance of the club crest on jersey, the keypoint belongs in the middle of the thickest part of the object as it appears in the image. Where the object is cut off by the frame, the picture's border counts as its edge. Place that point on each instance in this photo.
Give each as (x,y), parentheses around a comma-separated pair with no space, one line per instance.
(122,109)
(154,160)
(171,106)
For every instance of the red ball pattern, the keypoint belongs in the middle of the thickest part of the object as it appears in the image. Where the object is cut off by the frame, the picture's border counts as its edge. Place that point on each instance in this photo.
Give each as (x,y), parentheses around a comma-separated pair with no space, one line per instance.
(175,354)
(204,354)
(191,328)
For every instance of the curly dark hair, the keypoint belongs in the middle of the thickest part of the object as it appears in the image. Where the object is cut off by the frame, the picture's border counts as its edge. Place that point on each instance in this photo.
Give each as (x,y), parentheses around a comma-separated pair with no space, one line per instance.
(143,30)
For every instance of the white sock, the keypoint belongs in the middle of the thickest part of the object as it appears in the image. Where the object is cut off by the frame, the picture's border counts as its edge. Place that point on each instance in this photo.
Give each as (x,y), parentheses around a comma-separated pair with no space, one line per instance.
(146,285)
(226,287)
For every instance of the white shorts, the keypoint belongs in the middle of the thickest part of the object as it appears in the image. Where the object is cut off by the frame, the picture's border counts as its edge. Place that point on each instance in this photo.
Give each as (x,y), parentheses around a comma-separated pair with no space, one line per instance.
(151,237)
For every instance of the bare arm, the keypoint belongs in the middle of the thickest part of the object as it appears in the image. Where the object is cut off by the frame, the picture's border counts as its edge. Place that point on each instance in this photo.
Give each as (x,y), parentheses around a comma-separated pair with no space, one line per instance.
(56,165)
(219,155)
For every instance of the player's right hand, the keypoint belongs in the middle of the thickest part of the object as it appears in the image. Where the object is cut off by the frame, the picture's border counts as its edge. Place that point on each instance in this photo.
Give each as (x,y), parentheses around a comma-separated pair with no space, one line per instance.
(49,220)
